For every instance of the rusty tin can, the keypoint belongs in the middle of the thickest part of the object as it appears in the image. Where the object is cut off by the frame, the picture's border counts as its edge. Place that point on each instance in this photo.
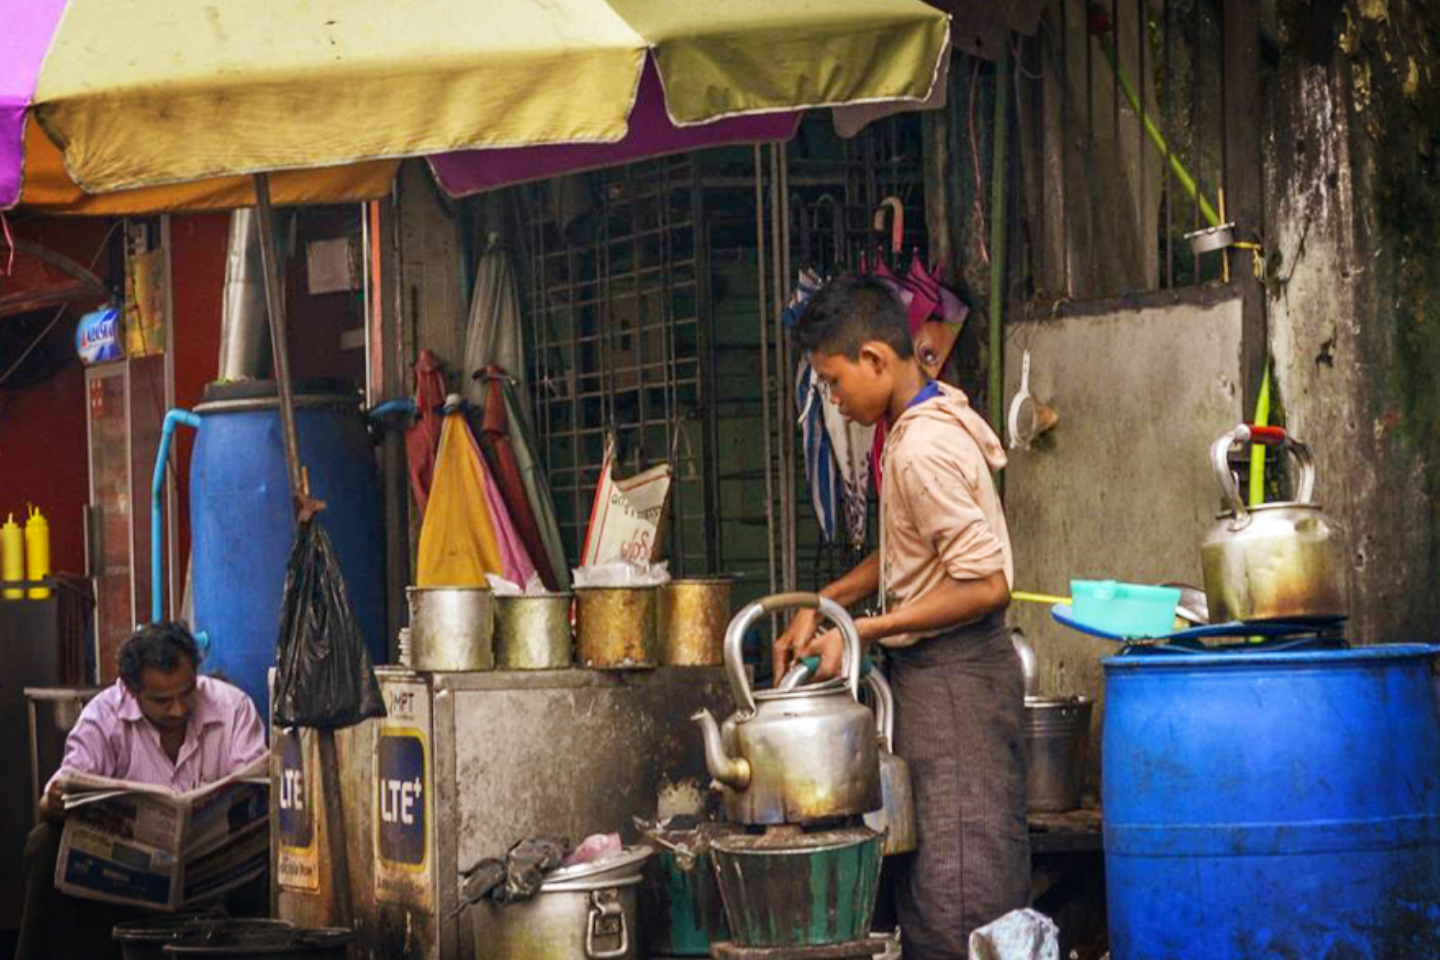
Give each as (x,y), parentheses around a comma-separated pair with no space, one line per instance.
(615,627)
(693,616)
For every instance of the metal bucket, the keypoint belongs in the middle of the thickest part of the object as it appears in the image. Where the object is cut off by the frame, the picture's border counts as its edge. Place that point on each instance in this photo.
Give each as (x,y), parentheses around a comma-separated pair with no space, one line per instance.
(692,620)
(1057,739)
(615,627)
(680,899)
(586,912)
(786,889)
(451,628)
(533,632)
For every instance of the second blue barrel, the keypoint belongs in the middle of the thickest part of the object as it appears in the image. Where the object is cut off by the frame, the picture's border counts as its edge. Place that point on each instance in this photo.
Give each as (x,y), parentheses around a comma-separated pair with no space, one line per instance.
(1270,805)
(242,527)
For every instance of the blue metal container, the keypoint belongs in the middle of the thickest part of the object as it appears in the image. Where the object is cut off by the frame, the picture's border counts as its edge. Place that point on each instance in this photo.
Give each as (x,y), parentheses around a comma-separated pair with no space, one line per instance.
(1273,805)
(242,527)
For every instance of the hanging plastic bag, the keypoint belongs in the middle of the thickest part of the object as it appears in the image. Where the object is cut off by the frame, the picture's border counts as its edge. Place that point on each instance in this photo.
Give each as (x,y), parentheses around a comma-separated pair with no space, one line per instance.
(458,541)
(625,517)
(324,676)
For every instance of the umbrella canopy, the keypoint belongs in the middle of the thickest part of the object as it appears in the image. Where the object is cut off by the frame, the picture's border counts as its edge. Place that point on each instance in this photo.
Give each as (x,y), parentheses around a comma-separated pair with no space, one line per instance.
(245,86)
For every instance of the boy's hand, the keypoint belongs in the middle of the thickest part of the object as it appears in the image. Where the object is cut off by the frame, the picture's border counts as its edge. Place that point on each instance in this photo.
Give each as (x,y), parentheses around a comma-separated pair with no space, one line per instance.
(52,804)
(786,649)
(830,648)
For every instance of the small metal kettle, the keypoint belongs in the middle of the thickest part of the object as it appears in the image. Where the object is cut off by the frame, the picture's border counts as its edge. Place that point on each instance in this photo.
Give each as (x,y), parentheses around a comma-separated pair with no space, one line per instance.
(1279,561)
(896,817)
(793,756)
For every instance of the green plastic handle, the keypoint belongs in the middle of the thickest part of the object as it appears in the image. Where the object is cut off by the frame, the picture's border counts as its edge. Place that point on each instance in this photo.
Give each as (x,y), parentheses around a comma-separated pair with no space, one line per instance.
(812,663)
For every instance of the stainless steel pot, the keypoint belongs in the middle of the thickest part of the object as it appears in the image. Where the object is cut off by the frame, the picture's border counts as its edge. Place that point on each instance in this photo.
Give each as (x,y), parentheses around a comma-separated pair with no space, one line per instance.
(1280,561)
(693,617)
(793,756)
(1057,740)
(586,912)
(615,627)
(896,817)
(451,628)
(532,632)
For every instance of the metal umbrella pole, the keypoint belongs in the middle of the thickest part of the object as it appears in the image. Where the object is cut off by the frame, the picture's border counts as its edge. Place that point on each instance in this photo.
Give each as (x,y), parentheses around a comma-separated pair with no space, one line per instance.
(305,507)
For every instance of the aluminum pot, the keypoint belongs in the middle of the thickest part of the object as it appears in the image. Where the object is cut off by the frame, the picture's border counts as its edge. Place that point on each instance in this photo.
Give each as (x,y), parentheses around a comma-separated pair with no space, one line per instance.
(532,632)
(146,939)
(693,616)
(1279,561)
(585,912)
(1057,740)
(451,628)
(615,627)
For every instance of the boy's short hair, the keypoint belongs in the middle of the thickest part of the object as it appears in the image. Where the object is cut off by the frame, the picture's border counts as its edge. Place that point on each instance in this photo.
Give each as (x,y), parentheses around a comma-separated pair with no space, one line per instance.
(850,311)
(158,646)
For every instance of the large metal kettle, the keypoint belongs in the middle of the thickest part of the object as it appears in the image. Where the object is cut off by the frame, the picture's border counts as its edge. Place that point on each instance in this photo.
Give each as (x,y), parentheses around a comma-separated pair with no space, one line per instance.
(793,756)
(1278,561)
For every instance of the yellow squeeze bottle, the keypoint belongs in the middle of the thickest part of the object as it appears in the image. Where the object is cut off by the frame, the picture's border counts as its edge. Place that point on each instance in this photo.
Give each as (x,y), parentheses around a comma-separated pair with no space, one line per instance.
(37,552)
(12,556)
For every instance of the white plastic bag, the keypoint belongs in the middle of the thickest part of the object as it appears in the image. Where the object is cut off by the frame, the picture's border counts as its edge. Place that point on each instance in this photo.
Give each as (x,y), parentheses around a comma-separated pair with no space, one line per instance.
(1019,935)
(621,574)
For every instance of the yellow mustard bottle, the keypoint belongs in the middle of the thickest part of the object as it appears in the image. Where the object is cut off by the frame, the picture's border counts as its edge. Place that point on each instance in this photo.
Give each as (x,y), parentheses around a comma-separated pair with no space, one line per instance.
(12,556)
(37,552)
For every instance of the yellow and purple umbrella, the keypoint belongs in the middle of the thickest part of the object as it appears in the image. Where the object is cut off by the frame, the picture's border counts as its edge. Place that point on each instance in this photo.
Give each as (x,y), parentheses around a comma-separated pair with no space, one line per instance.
(137,94)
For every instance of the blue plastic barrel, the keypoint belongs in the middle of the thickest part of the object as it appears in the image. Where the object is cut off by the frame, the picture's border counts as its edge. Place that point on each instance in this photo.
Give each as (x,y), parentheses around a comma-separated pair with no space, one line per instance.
(1273,805)
(242,527)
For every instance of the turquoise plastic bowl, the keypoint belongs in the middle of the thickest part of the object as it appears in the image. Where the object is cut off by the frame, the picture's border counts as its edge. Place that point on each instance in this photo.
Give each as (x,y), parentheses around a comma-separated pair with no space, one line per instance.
(1130,610)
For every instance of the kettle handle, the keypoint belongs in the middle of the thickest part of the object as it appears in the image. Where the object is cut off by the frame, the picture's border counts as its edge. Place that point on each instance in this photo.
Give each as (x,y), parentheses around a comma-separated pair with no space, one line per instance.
(884,708)
(1266,436)
(735,640)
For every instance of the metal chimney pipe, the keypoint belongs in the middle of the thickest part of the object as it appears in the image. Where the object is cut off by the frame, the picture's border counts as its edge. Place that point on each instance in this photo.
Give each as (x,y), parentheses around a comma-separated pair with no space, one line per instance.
(244,335)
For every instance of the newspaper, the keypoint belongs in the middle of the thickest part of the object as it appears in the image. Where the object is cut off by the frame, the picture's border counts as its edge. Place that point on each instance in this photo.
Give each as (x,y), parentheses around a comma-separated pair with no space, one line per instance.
(145,845)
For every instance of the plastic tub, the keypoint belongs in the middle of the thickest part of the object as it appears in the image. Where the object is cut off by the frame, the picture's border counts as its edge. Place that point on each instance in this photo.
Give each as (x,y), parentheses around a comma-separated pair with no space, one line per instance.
(1125,609)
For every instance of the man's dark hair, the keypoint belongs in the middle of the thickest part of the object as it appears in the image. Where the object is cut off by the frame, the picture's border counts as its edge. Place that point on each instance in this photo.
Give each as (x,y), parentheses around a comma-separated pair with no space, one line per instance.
(850,311)
(156,646)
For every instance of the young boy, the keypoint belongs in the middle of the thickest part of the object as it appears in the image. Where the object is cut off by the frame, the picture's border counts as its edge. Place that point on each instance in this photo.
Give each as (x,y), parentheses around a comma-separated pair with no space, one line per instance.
(943,572)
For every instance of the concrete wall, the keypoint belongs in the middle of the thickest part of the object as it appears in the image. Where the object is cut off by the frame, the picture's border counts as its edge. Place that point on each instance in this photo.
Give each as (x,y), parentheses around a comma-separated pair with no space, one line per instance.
(1355,287)
(1121,488)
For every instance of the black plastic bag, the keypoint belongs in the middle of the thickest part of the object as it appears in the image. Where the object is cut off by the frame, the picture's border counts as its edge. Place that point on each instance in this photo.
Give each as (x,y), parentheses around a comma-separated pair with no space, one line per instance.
(325,678)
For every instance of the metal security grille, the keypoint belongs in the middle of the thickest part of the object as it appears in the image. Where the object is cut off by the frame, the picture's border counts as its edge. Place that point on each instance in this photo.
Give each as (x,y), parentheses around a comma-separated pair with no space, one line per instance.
(617,344)
(655,297)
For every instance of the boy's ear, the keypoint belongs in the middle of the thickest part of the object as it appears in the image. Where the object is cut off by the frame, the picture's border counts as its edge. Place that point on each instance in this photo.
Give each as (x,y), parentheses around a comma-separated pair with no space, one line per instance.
(876,354)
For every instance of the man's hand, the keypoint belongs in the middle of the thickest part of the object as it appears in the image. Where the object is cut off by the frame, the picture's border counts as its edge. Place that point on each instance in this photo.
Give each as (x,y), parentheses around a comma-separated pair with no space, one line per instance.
(52,804)
(787,647)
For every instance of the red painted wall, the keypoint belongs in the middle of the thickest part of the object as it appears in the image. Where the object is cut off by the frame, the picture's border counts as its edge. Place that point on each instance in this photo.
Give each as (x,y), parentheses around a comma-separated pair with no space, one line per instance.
(42,428)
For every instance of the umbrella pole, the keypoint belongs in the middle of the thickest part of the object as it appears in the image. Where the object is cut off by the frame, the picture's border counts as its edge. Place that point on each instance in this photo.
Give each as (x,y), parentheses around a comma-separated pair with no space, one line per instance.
(280,350)
(279,347)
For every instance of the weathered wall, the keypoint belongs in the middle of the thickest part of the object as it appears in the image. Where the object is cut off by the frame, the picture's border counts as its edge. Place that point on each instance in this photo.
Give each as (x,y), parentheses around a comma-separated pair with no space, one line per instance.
(1122,488)
(1354,230)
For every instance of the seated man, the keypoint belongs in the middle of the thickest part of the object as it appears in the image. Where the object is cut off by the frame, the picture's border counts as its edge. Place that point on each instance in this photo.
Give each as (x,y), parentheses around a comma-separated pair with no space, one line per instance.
(159,724)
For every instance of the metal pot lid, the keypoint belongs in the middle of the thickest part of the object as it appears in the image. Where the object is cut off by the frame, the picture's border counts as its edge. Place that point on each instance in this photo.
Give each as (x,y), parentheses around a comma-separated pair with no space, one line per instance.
(1049,703)
(625,864)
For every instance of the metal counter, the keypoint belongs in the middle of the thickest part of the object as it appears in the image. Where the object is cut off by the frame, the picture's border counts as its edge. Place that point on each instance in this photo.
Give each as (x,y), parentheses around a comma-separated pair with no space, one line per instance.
(465,765)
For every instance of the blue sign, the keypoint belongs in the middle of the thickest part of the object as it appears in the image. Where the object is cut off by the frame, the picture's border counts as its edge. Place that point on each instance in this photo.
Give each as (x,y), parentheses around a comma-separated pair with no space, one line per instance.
(97,338)
(401,804)
(297,816)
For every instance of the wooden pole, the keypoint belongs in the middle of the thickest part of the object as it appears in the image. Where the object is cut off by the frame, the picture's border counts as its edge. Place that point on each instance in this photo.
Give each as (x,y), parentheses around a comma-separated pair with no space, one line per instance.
(300,497)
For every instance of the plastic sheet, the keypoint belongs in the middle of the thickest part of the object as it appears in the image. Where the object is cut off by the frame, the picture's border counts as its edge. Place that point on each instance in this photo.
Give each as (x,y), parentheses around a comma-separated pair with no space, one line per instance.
(324,678)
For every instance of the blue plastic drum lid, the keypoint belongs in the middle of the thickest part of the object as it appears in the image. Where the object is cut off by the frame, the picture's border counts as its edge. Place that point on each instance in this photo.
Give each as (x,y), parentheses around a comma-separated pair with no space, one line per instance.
(1273,805)
(242,526)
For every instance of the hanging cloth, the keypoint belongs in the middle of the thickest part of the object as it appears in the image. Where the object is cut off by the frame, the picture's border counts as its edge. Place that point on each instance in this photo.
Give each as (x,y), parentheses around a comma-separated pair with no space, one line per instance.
(458,541)
(423,436)
(495,437)
(849,442)
(494,334)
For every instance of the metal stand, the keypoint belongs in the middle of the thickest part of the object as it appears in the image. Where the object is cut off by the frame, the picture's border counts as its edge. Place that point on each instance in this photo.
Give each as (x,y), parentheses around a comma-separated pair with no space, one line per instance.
(855,950)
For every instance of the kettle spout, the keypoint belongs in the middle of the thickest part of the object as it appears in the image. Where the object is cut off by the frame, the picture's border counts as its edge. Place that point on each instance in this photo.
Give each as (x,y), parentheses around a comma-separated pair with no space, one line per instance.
(733,772)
